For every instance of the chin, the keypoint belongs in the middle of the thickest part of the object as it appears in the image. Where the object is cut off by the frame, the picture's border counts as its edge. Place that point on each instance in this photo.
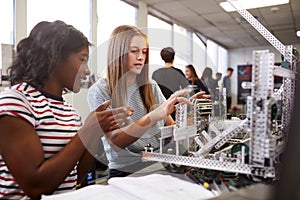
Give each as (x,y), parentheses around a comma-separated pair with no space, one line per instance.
(76,87)
(137,72)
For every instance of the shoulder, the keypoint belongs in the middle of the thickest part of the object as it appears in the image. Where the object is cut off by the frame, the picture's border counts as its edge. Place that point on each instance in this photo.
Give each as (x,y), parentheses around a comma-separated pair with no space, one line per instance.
(21,101)
(198,81)
(158,71)
(178,70)
(153,84)
(97,94)
(98,87)
(22,92)
(157,91)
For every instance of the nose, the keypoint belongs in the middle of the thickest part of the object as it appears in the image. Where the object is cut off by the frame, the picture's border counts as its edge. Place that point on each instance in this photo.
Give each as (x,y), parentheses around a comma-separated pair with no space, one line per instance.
(140,55)
(87,71)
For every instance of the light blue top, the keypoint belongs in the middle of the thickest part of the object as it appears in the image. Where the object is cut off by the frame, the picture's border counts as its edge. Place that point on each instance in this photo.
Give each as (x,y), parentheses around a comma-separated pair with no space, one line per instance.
(98,93)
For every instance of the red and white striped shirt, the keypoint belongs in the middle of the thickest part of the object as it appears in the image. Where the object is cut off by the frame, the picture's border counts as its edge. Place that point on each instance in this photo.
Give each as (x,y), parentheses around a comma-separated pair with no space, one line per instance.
(55,121)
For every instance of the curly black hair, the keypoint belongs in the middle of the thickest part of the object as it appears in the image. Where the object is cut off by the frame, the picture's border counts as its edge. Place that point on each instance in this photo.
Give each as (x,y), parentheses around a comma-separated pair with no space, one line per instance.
(38,54)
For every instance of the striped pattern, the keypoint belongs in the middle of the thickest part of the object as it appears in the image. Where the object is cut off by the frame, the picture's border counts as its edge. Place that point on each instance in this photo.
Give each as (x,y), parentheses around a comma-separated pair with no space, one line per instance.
(55,121)
(98,93)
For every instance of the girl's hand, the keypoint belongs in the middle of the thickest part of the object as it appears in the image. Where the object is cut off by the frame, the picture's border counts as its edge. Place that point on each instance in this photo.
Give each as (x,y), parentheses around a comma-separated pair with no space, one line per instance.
(102,121)
(200,95)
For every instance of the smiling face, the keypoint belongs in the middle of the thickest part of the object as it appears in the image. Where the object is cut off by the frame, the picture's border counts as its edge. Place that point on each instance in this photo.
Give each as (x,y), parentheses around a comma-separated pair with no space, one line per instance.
(75,69)
(137,54)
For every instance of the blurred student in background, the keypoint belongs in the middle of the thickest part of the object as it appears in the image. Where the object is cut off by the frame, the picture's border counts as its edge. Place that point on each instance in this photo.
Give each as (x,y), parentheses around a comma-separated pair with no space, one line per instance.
(227,85)
(209,81)
(192,77)
(169,78)
(218,79)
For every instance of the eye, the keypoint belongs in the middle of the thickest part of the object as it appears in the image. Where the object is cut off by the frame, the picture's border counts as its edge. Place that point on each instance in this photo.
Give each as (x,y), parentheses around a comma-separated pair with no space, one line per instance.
(84,60)
(133,50)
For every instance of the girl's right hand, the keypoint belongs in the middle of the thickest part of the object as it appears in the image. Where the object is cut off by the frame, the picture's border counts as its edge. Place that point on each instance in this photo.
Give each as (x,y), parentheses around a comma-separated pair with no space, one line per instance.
(102,121)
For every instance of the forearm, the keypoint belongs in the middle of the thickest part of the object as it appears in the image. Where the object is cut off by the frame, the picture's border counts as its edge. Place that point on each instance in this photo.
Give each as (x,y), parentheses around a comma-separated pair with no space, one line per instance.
(85,163)
(169,121)
(125,136)
(54,171)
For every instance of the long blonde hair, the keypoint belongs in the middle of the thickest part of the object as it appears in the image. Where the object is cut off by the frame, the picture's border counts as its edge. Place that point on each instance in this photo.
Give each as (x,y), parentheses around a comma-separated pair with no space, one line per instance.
(117,60)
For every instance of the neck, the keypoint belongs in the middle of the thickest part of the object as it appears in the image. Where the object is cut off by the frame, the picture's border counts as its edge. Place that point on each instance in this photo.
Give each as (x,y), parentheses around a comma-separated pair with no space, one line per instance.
(51,86)
(131,78)
(168,64)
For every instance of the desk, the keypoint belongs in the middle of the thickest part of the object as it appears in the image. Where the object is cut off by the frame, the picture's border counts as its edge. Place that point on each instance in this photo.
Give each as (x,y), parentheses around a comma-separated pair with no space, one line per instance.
(257,191)
(158,168)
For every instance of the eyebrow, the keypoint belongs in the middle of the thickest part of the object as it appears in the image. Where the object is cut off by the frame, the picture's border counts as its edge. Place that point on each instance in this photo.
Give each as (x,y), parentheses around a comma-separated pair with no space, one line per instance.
(138,47)
(84,54)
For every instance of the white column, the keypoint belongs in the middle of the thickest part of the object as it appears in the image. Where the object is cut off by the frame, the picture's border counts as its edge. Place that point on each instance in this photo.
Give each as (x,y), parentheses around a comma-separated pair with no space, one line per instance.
(94,25)
(142,13)
(20,20)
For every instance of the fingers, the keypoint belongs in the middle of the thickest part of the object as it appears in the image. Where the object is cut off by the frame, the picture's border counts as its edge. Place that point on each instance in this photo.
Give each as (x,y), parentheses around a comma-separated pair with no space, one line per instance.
(206,96)
(182,92)
(199,95)
(170,104)
(103,106)
(114,118)
(184,100)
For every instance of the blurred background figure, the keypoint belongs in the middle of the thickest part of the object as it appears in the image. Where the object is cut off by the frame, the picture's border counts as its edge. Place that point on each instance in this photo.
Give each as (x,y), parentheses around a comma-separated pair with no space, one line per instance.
(169,78)
(208,80)
(227,85)
(194,80)
(218,78)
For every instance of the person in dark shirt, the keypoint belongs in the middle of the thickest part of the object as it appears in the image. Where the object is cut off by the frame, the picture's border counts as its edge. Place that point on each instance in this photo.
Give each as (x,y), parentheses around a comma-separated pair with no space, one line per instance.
(227,85)
(194,80)
(169,78)
(208,80)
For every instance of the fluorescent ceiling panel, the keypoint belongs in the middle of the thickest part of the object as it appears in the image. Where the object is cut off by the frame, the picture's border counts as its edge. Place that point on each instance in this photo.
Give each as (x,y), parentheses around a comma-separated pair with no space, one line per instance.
(249,4)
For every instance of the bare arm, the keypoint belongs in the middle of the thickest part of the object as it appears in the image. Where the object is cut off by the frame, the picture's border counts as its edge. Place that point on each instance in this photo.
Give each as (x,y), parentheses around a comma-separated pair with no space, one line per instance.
(21,146)
(169,121)
(109,120)
(121,138)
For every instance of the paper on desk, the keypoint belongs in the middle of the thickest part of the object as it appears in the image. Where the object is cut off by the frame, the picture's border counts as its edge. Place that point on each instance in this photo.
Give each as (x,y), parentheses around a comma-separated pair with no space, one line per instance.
(149,187)
(92,192)
(158,186)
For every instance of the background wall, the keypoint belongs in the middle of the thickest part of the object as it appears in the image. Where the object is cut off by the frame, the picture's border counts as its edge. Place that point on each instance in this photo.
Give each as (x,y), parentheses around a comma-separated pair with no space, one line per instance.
(242,56)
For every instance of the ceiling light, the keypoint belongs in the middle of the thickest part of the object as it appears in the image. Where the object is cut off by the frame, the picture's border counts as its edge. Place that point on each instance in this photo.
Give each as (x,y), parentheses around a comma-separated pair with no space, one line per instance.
(298,33)
(249,4)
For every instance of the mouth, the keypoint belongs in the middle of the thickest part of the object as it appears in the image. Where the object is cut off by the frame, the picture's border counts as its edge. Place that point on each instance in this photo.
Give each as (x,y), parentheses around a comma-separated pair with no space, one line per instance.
(83,81)
(138,65)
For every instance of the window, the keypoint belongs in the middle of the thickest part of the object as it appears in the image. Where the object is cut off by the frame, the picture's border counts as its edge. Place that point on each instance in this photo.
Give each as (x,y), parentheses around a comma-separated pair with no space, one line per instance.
(110,15)
(217,57)
(223,60)
(7,21)
(6,36)
(182,47)
(160,36)
(199,55)
(73,12)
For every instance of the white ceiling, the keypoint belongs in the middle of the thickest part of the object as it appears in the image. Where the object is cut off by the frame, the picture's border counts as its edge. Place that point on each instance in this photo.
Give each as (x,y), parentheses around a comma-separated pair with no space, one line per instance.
(230,29)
